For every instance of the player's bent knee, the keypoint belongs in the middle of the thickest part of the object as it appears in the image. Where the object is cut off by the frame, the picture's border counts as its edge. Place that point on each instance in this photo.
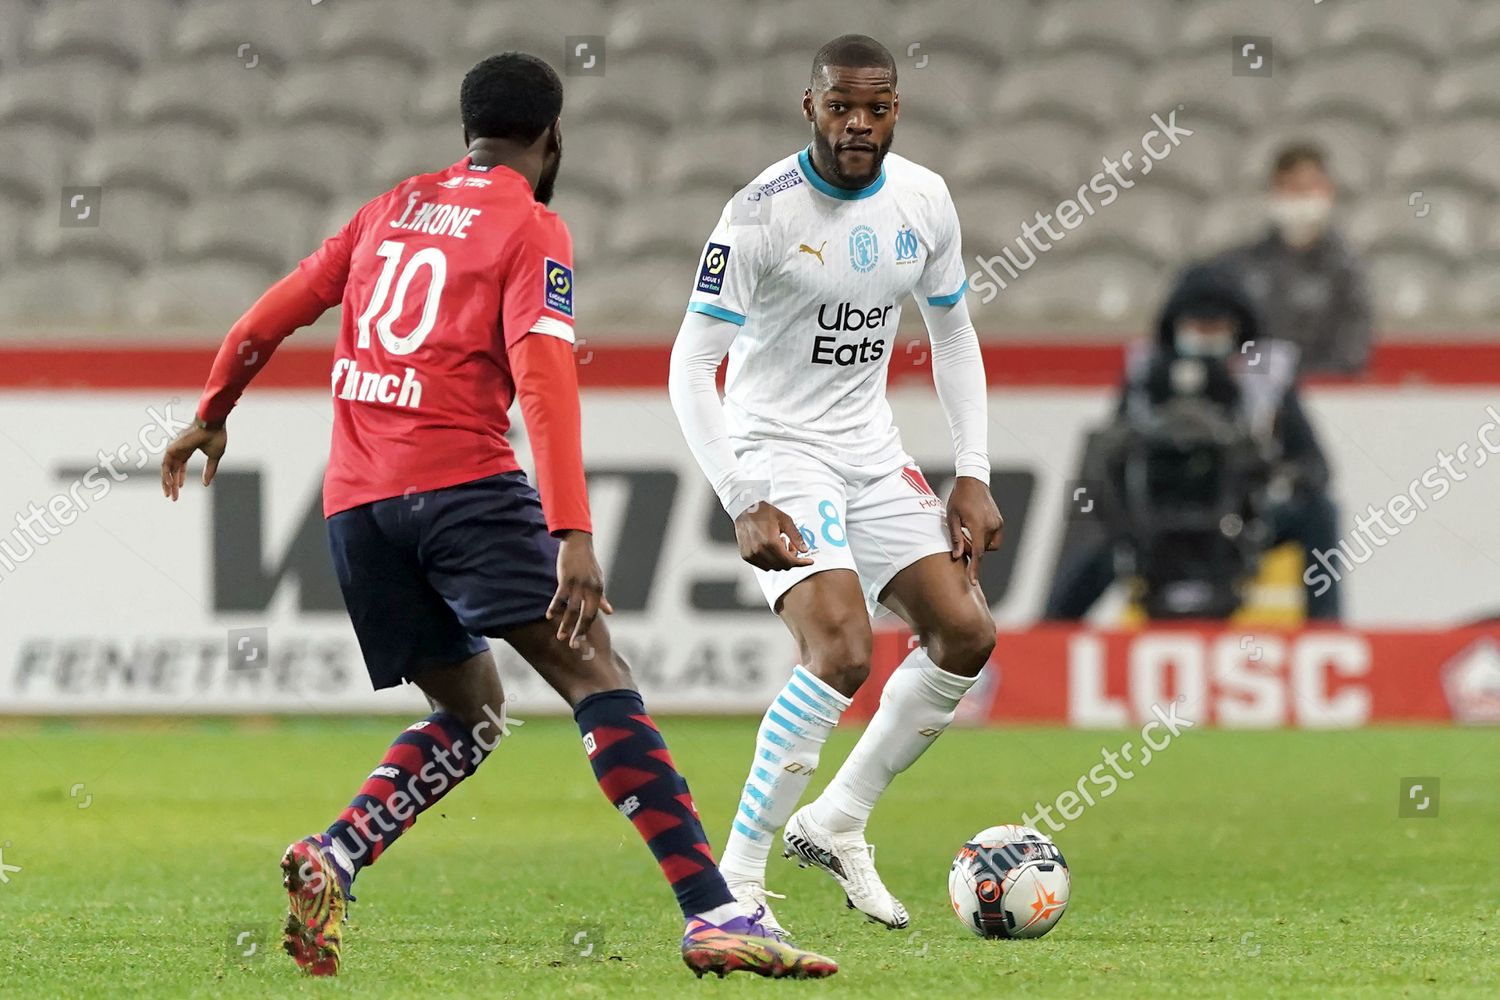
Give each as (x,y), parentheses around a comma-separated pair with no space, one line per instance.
(841,657)
(964,645)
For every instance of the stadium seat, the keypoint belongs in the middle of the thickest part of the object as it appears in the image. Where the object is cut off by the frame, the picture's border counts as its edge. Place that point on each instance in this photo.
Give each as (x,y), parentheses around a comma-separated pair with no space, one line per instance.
(404,152)
(679,30)
(211,93)
(1442,223)
(1479,32)
(17,216)
(201,296)
(639,293)
(66,293)
(1380,87)
(1140,30)
(1476,293)
(489,28)
(16,16)
(1196,168)
(800,28)
(1406,285)
(174,159)
(719,159)
(606,159)
(766,89)
(318,161)
(1145,221)
(1049,155)
(1210,26)
(652,92)
(38,162)
(1471,87)
(1228,221)
(1357,151)
(952,91)
(73,94)
(134,224)
(1207,92)
(268,230)
(362,92)
(400,34)
(670,227)
(126,34)
(588,220)
(1083,291)
(1426,30)
(242,36)
(973,30)
(1091,89)
(1457,151)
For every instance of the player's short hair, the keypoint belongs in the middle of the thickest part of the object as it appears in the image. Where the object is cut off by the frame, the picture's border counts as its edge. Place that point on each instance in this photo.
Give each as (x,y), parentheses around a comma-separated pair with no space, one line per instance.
(1294,154)
(512,95)
(854,52)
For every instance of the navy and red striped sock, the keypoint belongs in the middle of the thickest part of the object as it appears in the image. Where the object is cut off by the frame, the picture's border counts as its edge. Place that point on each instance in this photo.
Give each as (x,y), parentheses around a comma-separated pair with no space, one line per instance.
(422,766)
(635,770)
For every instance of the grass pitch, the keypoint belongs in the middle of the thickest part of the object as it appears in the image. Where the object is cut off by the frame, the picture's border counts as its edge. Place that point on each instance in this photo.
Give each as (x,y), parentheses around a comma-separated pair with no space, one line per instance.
(1237,864)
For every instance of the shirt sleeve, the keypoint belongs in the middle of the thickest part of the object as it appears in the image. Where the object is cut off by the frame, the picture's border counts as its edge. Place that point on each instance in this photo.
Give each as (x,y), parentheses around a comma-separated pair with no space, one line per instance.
(734,259)
(537,288)
(327,268)
(944,279)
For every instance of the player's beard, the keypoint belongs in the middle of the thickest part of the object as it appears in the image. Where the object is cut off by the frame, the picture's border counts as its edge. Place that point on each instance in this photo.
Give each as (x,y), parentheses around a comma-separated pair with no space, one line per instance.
(548,181)
(827,154)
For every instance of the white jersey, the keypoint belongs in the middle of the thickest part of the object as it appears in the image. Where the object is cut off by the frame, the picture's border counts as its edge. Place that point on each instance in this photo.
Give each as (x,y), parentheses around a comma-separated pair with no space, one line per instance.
(815,277)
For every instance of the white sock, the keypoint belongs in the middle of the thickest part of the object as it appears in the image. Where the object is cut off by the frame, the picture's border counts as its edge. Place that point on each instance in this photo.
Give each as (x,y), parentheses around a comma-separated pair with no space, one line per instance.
(918,703)
(786,755)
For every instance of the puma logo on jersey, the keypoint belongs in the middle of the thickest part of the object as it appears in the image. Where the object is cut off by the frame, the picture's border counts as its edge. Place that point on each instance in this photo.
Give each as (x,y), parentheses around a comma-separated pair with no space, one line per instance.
(818,253)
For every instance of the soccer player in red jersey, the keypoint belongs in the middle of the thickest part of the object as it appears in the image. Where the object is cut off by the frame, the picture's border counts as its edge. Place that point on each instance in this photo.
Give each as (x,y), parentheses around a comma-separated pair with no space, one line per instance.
(457,296)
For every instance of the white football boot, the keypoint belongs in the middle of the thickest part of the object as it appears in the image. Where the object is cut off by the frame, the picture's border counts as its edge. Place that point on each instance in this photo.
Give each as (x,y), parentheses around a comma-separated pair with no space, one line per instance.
(754,895)
(851,862)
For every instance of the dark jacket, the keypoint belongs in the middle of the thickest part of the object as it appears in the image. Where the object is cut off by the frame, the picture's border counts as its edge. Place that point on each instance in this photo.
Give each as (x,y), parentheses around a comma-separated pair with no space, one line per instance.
(1317,298)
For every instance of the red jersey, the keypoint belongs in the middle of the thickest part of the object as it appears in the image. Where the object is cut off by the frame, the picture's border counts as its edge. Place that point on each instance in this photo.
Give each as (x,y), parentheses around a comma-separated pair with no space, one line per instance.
(440,279)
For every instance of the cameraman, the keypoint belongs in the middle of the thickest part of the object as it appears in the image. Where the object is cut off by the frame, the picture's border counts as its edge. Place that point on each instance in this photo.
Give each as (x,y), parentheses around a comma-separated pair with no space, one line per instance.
(1209,316)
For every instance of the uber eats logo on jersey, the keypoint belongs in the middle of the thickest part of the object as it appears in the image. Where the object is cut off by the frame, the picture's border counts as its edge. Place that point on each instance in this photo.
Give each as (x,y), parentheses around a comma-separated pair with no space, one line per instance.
(711,273)
(848,318)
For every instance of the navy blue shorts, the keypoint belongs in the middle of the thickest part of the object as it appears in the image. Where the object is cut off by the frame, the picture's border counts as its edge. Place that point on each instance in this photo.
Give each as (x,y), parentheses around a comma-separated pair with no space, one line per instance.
(425,577)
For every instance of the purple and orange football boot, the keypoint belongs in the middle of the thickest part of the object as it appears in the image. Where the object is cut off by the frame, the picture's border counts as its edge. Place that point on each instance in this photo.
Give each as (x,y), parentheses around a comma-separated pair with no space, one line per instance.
(317,896)
(744,944)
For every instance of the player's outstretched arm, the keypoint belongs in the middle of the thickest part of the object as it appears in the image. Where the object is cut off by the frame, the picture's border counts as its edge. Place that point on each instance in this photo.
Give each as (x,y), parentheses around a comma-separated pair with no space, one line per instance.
(768,538)
(287,305)
(974,522)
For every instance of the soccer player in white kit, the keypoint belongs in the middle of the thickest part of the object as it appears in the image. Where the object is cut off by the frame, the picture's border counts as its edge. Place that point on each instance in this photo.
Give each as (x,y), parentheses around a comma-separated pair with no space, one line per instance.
(801,284)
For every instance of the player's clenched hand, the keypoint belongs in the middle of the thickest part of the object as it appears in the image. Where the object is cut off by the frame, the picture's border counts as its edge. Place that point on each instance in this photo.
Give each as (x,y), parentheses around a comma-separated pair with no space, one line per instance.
(580,589)
(974,522)
(769,539)
(209,440)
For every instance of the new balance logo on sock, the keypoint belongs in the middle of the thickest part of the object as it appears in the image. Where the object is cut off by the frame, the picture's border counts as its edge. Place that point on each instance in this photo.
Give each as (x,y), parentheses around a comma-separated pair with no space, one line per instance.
(589,746)
(385,771)
(630,805)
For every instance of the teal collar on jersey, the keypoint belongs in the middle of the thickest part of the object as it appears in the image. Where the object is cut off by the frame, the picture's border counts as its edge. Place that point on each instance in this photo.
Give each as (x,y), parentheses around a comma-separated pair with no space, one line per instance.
(843,194)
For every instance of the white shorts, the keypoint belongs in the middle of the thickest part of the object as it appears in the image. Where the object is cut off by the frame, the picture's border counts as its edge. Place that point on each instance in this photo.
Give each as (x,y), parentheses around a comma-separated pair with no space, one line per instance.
(875,526)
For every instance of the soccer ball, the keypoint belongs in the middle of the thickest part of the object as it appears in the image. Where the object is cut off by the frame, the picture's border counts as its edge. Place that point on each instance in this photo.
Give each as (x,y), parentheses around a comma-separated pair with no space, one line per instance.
(1009,882)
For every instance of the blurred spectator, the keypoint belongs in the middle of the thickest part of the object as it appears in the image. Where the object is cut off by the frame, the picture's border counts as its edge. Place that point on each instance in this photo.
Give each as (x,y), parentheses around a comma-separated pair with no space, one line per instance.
(1308,285)
(1209,355)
